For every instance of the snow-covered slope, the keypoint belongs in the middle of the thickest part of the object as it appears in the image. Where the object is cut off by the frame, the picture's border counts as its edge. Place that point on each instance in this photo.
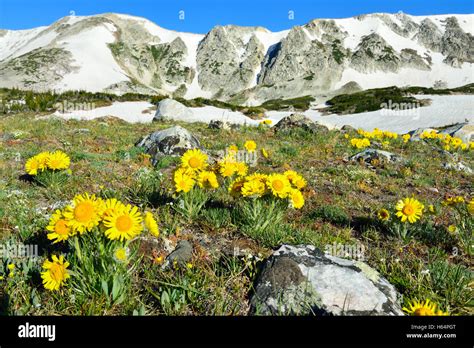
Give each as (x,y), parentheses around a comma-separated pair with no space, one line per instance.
(443,111)
(121,53)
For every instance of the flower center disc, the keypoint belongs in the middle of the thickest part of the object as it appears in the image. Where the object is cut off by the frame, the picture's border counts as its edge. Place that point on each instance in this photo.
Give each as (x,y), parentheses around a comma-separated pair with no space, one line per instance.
(194,162)
(84,211)
(56,272)
(278,185)
(422,311)
(408,210)
(123,223)
(61,227)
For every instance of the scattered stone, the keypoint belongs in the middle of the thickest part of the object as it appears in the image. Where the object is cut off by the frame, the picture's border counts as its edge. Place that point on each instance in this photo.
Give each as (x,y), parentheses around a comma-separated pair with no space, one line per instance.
(181,255)
(215,124)
(294,121)
(7,136)
(147,245)
(458,166)
(81,131)
(348,129)
(369,155)
(433,189)
(302,280)
(171,109)
(13,135)
(172,141)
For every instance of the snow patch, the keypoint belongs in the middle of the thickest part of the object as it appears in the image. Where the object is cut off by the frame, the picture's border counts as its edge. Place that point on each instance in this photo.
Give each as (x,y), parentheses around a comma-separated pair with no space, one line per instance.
(443,111)
(97,66)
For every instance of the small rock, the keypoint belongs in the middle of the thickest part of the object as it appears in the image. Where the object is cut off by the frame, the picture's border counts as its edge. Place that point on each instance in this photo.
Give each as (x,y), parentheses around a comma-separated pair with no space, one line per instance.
(348,129)
(302,280)
(7,136)
(215,124)
(369,155)
(295,121)
(182,254)
(172,141)
(81,130)
(458,166)
(171,109)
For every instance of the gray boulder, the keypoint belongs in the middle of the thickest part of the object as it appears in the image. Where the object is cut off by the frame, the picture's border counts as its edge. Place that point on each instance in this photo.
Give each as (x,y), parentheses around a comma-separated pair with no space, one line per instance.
(348,129)
(369,155)
(295,121)
(169,109)
(181,255)
(172,141)
(302,280)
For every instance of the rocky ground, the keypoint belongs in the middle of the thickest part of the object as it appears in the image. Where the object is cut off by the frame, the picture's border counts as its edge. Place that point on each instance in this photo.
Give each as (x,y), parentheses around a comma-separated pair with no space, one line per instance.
(211,262)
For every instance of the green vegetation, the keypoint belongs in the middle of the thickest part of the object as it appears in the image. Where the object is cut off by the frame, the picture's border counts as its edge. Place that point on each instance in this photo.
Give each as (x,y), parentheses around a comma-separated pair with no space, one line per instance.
(299,104)
(369,100)
(374,99)
(341,204)
(337,52)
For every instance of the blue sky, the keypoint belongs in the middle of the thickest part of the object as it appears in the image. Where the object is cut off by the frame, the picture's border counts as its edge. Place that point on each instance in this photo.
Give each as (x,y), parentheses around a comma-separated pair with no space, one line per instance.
(201,15)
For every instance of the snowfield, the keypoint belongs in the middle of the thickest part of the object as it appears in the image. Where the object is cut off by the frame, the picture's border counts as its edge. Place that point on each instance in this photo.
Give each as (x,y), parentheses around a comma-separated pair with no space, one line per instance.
(443,111)
(133,112)
(91,54)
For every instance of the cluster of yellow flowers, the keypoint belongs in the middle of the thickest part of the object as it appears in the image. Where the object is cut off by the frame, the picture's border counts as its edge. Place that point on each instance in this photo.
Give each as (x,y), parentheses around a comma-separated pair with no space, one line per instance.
(459,200)
(377,134)
(11,271)
(384,136)
(195,170)
(57,160)
(360,143)
(407,209)
(448,142)
(117,220)
(283,186)
(266,122)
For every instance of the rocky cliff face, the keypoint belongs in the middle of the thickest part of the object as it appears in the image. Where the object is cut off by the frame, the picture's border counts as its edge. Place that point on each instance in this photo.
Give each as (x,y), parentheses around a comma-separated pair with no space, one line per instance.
(121,53)
(456,45)
(227,58)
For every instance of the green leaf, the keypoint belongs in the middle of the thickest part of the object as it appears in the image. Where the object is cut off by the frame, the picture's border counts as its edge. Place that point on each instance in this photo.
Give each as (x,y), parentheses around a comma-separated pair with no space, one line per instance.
(105,288)
(116,287)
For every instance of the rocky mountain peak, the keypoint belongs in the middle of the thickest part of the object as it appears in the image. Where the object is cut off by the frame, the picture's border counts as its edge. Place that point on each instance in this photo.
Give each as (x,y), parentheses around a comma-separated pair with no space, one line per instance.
(236,63)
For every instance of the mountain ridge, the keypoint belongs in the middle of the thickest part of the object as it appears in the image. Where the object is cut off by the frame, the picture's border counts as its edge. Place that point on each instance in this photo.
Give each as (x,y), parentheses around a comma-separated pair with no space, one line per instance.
(121,53)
